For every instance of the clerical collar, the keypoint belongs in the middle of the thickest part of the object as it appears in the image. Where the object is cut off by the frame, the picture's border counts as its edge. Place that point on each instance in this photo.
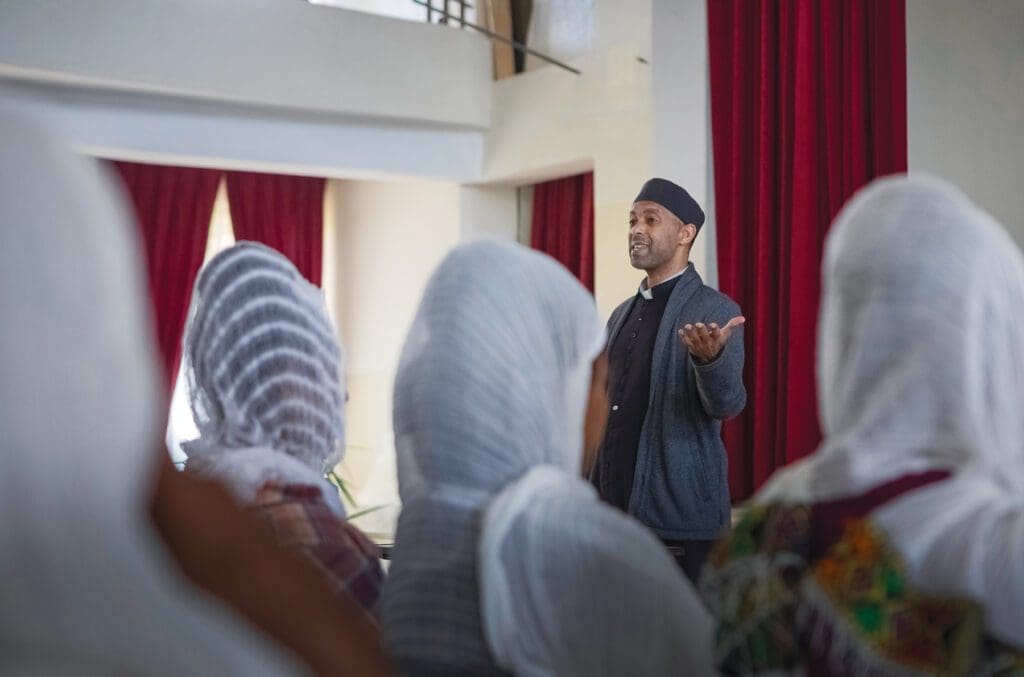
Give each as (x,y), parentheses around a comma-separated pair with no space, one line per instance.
(648,294)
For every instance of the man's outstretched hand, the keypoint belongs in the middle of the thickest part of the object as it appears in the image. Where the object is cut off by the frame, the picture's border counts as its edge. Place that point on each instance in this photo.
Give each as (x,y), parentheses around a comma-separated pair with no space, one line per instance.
(706,341)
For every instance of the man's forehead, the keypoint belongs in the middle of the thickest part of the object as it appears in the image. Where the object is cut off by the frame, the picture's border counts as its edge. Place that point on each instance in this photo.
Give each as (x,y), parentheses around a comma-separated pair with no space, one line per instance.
(646,206)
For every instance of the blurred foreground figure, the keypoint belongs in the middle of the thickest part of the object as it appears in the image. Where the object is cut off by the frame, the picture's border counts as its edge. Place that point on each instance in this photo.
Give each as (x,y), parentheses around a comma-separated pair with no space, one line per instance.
(264,373)
(110,560)
(505,560)
(897,547)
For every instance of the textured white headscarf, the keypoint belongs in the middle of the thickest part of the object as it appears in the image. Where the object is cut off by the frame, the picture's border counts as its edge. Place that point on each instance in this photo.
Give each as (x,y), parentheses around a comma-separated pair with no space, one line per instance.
(573,587)
(490,399)
(264,372)
(921,366)
(86,586)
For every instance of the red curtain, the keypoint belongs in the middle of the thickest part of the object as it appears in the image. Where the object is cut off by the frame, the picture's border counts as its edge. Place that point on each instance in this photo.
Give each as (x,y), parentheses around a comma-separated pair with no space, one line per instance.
(173,207)
(563,223)
(808,103)
(282,212)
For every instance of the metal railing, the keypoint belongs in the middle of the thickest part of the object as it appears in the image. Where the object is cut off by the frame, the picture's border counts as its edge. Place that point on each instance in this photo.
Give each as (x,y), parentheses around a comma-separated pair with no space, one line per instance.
(440,9)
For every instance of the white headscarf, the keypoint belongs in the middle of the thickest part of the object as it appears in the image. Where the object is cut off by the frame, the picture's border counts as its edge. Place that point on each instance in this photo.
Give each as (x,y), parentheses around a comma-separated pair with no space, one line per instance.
(921,366)
(264,372)
(494,375)
(573,587)
(492,385)
(86,586)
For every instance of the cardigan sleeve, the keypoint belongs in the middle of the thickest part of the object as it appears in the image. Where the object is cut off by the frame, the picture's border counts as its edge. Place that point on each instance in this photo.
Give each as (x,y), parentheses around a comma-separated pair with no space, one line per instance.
(720,382)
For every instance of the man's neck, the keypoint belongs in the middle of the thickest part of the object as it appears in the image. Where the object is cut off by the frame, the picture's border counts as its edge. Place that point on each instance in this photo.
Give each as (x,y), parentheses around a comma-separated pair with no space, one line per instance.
(656,277)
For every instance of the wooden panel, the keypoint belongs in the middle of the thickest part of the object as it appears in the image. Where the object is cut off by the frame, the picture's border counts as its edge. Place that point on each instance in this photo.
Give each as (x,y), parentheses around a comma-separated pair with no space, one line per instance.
(497,18)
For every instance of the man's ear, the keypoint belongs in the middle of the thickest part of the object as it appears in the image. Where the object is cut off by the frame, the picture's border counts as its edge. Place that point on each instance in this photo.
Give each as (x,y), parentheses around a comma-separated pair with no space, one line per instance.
(687,234)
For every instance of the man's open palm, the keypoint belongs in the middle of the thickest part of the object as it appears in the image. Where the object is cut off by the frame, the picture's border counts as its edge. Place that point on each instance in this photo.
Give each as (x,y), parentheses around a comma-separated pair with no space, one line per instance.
(706,342)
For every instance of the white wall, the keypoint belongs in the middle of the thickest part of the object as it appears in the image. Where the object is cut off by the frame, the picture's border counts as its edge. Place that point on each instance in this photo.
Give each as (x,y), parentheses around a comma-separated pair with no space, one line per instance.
(550,123)
(965,99)
(572,29)
(638,110)
(283,53)
(164,130)
(680,104)
(488,211)
(264,85)
(560,29)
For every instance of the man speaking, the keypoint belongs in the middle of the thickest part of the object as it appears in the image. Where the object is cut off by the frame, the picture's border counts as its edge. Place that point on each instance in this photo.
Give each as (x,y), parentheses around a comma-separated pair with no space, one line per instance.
(676,372)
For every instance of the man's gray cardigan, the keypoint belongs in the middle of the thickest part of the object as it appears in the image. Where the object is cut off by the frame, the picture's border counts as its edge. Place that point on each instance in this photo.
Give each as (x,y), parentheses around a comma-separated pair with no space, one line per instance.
(680,489)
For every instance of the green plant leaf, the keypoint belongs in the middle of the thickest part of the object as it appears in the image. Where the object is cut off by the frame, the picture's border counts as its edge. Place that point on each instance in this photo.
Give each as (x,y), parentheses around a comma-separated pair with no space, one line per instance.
(337,481)
(365,511)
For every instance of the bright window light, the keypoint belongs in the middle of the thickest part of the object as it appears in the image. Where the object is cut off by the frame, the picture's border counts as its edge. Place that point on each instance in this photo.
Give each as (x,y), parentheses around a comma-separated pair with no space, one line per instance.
(180,426)
(399,9)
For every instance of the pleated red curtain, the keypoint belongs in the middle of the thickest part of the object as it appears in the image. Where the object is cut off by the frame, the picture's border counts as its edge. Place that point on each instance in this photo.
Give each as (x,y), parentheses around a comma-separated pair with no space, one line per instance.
(282,212)
(563,223)
(808,103)
(172,208)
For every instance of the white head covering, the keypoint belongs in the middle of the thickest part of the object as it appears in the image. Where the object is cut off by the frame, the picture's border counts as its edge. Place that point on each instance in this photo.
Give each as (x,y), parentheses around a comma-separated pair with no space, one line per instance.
(86,586)
(264,373)
(571,586)
(921,366)
(494,375)
(493,382)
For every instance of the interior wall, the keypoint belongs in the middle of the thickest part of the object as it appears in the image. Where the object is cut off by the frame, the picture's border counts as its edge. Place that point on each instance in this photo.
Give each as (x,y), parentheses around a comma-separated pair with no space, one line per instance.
(294,55)
(965,99)
(221,84)
(638,110)
(560,29)
(488,211)
(571,29)
(549,123)
(680,104)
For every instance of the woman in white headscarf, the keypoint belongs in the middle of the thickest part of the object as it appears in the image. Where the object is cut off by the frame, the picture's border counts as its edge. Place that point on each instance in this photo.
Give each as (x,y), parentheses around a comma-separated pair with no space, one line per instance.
(505,561)
(264,373)
(95,532)
(897,547)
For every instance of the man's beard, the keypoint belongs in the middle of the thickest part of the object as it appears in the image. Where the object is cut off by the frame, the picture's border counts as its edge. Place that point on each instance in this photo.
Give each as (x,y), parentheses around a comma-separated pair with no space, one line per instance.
(646,257)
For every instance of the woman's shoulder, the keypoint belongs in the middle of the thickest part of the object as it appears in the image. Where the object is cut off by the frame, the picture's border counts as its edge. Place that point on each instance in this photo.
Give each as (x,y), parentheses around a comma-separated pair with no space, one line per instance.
(781,601)
(302,519)
(301,512)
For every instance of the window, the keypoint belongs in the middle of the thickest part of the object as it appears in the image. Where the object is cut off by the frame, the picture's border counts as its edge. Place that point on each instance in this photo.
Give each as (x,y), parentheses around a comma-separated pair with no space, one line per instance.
(180,426)
(410,10)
